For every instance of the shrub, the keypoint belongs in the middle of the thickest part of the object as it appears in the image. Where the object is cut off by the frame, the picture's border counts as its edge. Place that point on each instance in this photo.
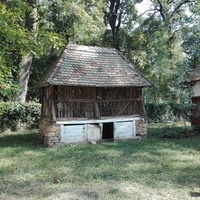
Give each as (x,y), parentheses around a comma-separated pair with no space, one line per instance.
(156,111)
(15,115)
(177,132)
(162,112)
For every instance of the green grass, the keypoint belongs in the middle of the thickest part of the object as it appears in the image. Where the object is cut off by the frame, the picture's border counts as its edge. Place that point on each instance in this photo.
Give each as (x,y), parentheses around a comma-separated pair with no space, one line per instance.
(154,168)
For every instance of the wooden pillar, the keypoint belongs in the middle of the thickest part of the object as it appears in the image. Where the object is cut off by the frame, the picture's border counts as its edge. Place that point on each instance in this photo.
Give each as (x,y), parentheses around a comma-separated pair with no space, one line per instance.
(96,107)
(53,113)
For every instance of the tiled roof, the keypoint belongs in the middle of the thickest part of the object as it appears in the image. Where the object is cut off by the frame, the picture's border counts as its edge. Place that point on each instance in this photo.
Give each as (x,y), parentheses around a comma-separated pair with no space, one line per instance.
(81,65)
(195,74)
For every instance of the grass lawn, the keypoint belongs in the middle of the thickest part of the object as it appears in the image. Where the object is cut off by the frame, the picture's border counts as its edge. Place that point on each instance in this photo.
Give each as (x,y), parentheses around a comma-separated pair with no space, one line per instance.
(155,168)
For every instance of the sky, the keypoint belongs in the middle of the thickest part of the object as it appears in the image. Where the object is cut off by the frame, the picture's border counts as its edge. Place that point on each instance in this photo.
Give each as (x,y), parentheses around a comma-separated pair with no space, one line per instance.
(142,7)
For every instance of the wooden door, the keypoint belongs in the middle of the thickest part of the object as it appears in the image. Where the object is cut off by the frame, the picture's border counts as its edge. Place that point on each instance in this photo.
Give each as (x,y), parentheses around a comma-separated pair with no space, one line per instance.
(93,133)
(73,134)
(124,130)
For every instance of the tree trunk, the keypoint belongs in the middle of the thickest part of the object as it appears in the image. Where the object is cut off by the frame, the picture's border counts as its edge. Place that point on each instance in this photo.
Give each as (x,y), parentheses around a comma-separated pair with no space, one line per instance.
(23,77)
(31,24)
(114,18)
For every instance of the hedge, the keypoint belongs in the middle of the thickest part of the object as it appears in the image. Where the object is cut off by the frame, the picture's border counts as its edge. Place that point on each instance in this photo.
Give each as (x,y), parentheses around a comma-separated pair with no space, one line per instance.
(15,115)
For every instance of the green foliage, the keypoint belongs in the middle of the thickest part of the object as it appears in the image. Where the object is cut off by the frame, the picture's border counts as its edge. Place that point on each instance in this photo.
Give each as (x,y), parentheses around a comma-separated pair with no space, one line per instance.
(164,112)
(177,132)
(156,111)
(14,115)
(13,42)
(196,129)
(166,45)
(163,44)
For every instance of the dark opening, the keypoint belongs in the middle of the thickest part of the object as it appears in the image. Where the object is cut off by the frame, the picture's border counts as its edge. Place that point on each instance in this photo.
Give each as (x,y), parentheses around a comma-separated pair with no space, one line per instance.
(107,131)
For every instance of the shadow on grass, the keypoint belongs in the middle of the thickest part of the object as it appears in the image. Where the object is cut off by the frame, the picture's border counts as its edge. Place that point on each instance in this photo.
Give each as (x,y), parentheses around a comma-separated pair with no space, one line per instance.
(150,162)
(189,142)
(28,139)
(195,194)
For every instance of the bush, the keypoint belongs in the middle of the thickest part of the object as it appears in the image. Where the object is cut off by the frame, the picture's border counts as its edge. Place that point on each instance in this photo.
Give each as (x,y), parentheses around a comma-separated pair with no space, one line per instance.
(162,112)
(156,111)
(177,132)
(15,115)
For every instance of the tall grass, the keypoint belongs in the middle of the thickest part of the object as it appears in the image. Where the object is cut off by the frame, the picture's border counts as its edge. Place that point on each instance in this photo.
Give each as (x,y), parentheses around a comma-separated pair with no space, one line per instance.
(154,168)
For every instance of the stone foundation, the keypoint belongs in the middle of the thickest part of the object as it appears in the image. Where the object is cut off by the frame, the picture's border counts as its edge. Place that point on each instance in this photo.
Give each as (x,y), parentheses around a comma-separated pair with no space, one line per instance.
(49,132)
(141,128)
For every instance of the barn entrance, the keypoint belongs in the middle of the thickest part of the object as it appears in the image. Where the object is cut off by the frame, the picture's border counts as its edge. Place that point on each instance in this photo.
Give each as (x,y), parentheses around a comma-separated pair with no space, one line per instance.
(108,131)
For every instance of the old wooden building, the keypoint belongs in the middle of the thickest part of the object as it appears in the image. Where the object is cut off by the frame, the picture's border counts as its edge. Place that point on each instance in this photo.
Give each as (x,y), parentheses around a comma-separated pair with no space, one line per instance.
(92,94)
(194,78)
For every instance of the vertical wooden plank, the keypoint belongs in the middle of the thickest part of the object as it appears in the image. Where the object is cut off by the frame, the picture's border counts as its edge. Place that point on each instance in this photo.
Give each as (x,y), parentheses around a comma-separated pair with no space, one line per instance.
(53,104)
(71,93)
(96,107)
(43,102)
(65,103)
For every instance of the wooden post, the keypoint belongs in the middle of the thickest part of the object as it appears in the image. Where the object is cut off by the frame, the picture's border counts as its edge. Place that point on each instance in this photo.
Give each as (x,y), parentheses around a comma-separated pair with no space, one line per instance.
(96,107)
(52,104)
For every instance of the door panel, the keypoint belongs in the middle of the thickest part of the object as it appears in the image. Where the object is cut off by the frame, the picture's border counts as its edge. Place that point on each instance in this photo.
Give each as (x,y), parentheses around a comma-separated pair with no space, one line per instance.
(73,134)
(93,133)
(124,130)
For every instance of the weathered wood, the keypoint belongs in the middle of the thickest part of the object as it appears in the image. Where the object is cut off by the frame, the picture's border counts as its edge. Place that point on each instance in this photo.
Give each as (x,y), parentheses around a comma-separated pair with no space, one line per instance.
(100,120)
(124,108)
(73,134)
(47,96)
(96,107)
(124,130)
(73,102)
(93,133)
(68,104)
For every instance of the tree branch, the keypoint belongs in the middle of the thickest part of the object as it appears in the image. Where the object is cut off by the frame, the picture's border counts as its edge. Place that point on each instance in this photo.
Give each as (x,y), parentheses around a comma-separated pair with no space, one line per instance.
(179,6)
(161,10)
(146,12)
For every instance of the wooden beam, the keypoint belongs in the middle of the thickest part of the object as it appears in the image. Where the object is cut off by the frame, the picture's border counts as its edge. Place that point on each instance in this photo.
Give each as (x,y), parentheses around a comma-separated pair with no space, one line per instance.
(116,100)
(96,107)
(68,104)
(100,120)
(51,102)
(124,108)
(77,100)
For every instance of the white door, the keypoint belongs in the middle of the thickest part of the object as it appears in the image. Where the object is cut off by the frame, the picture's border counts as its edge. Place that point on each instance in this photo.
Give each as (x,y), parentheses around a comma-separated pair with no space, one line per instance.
(124,130)
(93,133)
(73,134)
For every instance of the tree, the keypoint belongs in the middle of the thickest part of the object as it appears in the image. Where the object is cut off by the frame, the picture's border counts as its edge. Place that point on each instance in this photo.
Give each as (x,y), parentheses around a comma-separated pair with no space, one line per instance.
(118,14)
(31,24)
(13,42)
(165,59)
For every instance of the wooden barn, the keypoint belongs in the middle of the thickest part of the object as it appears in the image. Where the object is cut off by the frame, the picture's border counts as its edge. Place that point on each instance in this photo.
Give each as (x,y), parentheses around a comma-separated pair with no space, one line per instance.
(92,94)
(194,78)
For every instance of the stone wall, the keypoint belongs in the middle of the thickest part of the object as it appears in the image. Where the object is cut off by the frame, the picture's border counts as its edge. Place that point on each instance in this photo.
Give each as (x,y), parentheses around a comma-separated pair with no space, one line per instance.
(141,128)
(49,132)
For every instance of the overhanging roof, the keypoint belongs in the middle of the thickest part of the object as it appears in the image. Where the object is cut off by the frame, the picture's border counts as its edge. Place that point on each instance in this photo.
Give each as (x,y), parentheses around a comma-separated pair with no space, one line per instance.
(81,65)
